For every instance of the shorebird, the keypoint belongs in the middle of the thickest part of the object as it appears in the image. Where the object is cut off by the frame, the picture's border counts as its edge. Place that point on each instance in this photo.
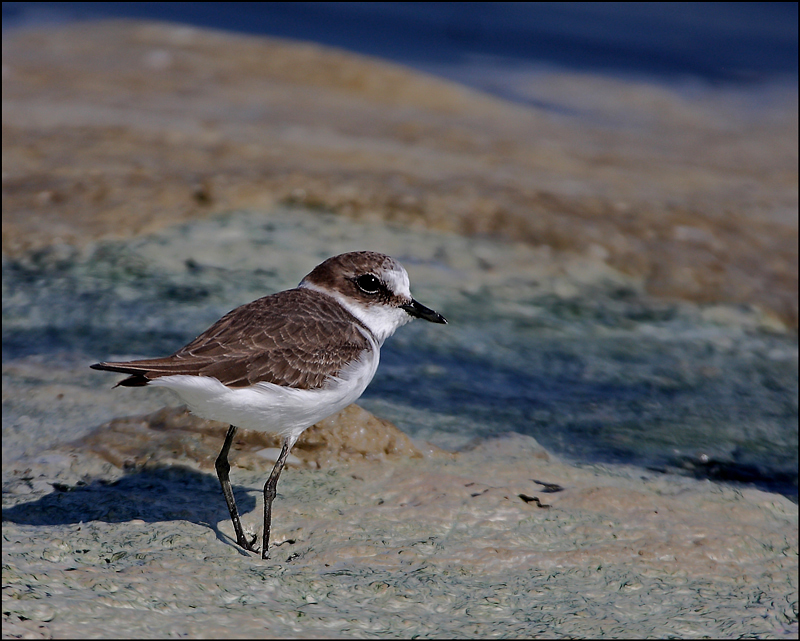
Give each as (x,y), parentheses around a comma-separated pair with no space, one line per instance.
(288,360)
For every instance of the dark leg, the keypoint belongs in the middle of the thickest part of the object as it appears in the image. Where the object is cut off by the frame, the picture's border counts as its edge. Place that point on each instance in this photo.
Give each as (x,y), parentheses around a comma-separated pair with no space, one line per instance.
(269,494)
(223,470)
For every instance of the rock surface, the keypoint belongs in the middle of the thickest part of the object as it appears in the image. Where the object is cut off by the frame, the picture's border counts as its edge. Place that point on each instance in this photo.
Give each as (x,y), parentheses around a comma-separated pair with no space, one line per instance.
(500,539)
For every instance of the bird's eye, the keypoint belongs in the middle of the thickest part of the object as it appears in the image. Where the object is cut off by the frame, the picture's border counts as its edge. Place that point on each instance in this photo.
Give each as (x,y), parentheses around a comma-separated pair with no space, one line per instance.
(368,283)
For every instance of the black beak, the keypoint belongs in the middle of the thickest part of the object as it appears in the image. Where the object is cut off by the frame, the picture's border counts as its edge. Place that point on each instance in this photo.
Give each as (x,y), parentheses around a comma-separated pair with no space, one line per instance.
(418,310)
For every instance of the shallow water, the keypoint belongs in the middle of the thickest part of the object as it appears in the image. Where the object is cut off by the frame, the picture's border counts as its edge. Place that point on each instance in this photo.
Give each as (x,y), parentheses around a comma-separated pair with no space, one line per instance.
(563,349)
(723,41)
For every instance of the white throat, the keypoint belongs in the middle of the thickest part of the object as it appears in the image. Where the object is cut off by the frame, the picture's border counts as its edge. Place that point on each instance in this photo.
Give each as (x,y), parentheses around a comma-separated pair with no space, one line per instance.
(381,320)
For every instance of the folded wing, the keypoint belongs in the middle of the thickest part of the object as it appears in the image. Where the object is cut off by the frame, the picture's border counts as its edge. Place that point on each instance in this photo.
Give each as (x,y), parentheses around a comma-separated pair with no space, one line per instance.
(261,342)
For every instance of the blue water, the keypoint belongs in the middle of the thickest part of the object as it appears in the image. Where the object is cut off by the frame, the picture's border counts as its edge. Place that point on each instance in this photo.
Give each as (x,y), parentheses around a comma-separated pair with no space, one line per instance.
(739,42)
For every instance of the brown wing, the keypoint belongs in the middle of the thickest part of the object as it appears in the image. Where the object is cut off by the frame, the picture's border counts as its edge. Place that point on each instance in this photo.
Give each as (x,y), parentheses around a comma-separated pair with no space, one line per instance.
(297,338)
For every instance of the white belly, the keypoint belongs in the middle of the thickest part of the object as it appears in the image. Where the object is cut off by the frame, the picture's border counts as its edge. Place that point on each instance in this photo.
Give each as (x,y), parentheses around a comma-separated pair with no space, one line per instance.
(273,408)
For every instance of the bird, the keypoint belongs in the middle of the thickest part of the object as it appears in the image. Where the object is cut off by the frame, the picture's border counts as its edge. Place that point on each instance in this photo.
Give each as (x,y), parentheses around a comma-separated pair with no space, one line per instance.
(285,361)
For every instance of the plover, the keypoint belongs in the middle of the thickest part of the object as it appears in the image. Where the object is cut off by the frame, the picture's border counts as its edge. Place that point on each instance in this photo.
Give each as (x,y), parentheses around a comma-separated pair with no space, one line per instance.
(286,361)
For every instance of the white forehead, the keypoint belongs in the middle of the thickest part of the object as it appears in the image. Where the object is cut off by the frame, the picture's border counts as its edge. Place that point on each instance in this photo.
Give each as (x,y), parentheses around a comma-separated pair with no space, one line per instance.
(394,275)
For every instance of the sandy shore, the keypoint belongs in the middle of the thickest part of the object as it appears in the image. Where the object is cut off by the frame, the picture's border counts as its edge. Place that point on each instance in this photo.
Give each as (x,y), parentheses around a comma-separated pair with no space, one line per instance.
(118,130)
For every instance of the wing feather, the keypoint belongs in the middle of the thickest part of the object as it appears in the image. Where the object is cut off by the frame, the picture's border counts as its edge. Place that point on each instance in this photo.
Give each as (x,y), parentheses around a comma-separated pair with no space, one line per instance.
(297,338)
